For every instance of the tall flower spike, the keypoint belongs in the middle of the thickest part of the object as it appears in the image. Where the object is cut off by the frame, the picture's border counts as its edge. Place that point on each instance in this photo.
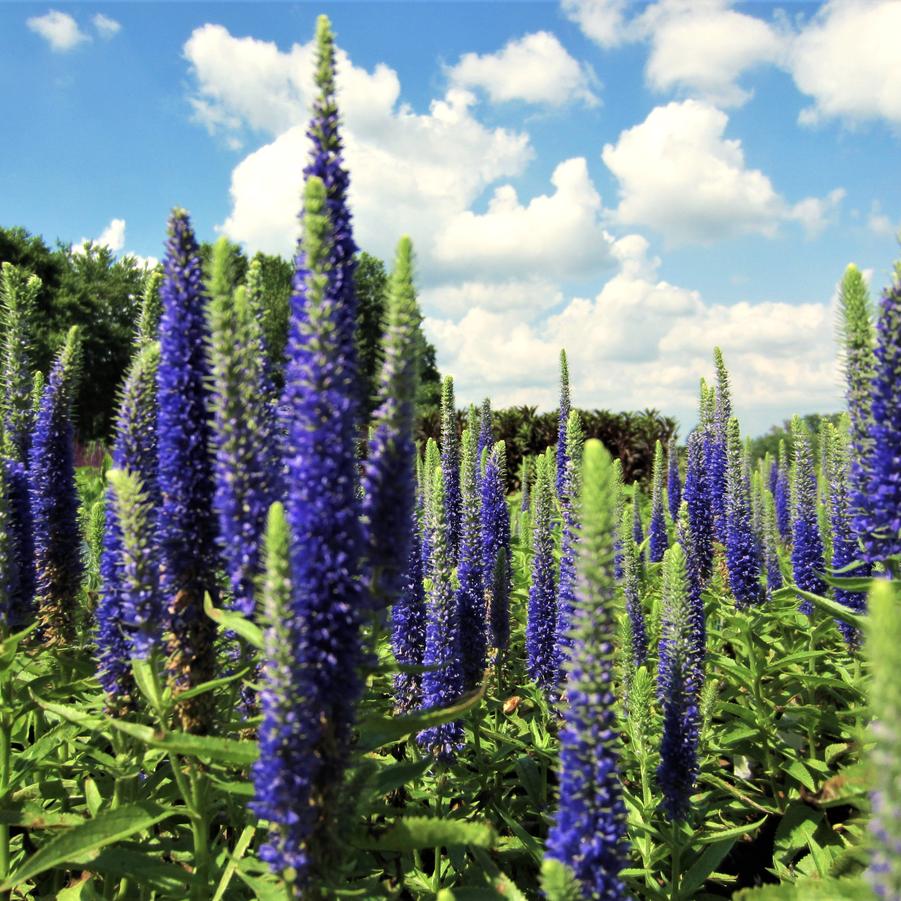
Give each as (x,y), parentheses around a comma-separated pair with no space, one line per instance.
(589,831)
(151,308)
(680,690)
(562,420)
(408,617)
(471,593)
(700,509)
(782,494)
(631,581)
(524,480)
(322,512)
(717,464)
(844,542)
(135,452)
(658,539)
(742,557)
(54,501)
(280,773)
(18,296)
(21,524)
(771,544)
(637,530)
(9,564)
(187,524)
(542,617)
(673,479)
(327,163)
(430,464)
(884,652)
(856,339)
(389,493)
(136,515)
(807,545)
(486,434)
(694,586)
(241,434)
(877,476)
(496,545)
(442,685)
(620,495)
(566,587)
(450,462)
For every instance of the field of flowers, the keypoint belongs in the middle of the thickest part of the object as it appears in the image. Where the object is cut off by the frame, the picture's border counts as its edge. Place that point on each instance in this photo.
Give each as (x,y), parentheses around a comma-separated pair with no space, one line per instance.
(255,656)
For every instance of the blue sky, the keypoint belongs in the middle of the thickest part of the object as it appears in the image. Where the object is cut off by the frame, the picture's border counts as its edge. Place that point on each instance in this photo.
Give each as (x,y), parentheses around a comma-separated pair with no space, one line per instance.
(635,182)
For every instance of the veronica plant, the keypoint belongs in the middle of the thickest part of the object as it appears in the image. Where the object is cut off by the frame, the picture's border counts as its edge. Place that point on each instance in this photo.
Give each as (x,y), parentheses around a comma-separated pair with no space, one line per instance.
(658,540)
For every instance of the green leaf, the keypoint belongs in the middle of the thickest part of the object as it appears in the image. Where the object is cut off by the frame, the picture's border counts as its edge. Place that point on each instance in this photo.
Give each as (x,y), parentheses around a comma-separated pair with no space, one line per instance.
(30,815)
(810,890)
(231,867)
(558,881)
(734,832)
(79,841)
(377,731)
(225,750)
(389,778)
(234,622)
(126,863)
(799,772)
(707,862)
(411,833)
(826,605)
(795,830)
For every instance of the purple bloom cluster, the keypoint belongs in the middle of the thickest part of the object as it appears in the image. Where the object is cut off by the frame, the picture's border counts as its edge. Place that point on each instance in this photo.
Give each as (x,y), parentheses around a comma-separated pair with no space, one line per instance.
(694,586)
(807,544)
(631,582)
(700,509)
(845,550)
(125,625)
(496,545)
(742,552)
(541,629)
(22,584)
(562,420)
(54,502)
(388,478)
(589,831)
(877,474)
(471,593)
(673,479)
(486,436)
(187,524)
(443,685)
(408,617)
(679,683)
(658,540)
(450,463)
(782,495)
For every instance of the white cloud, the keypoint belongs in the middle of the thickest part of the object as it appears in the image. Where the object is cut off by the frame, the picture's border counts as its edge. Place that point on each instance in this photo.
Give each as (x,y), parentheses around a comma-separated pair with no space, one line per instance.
(143,262)
(58,29)
(678,174)
(113,237)
(643,342)
(535,68)
(601,20)
(410,172)
(816,213)
(880,224)
(702,47)
(846,59)
(558,234)
(528,297)
(106,27)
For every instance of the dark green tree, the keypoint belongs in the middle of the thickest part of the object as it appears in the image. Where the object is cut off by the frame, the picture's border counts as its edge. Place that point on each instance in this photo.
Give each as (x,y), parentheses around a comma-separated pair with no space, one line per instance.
(371,290)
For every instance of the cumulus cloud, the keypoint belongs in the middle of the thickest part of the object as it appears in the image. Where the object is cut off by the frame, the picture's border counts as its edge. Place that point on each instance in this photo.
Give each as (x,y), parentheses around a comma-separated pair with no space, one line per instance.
(702,48)
(846,59)
(527,297)
(601,20)
(58,29)
(880,224)
(558,234)
(679,174)
(113,237)
(640,342)
(106,27)
(535,68)
(410,171)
